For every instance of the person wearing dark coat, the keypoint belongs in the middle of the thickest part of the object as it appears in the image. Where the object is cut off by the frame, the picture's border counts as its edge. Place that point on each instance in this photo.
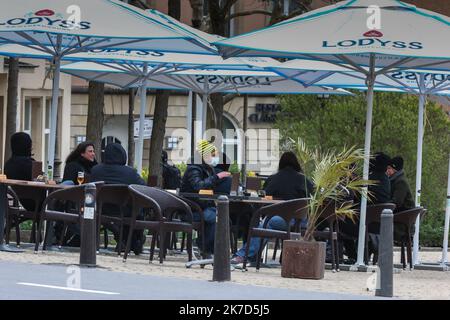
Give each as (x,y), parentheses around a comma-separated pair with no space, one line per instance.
(114,170)
(224,185)
(381,191)
(287,184)
(82,159)
(202,177)
(19,166)
(401,193)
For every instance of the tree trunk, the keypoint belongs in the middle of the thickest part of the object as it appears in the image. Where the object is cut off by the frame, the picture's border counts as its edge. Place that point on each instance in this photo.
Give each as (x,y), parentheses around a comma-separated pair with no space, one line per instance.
(244,138)
(158,133)
(131,99)
(217,104)
(217,17)
(160,114)
(11,107)
(219,27)
(197,13)
(94,127)
(277,12)
(175,9)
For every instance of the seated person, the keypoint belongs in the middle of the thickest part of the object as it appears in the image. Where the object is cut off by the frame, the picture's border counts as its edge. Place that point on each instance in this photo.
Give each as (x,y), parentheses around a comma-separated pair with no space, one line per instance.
(170,173)
(401,193)
(199,177)
(114,170)
(240,213)
(19,166)
(287,184)
(224,185)
(380,192)
(81,159)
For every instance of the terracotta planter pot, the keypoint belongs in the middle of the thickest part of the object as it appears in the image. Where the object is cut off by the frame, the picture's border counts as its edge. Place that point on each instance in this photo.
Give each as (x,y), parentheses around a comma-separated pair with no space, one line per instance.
(303,259)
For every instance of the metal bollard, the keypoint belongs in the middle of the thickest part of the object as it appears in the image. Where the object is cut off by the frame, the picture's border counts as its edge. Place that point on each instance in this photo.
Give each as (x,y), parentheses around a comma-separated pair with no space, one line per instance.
(385,253)
(88,248)
(221,271)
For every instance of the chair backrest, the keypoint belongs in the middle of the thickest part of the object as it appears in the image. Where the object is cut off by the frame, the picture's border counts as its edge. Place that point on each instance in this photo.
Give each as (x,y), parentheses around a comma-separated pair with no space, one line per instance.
(164,203)
(74,195)
(13,199)
(37,196)
(408,217)
(373,213)
(116,194)
(253,183)
(195,207)
(288,210)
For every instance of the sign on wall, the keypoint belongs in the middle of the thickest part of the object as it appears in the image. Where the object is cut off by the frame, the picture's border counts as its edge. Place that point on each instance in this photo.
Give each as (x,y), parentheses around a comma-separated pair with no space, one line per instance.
(265,113)
(148,125)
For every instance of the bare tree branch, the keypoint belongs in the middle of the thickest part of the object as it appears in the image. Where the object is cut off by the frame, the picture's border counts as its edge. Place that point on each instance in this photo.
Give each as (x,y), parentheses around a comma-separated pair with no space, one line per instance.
(197,13)
(228,4)
(291,15)
(139,4)
(247,13)
(228,97)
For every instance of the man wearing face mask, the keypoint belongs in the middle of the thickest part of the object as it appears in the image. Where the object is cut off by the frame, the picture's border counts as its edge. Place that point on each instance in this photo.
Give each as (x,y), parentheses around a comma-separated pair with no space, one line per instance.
(203,177)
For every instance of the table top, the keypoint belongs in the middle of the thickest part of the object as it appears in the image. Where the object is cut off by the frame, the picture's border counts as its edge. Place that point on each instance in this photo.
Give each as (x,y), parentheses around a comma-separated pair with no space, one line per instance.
(34,184)
(245,199)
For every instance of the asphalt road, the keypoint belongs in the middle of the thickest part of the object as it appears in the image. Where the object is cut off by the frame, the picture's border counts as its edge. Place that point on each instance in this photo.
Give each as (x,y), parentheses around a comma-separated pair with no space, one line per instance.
(55,282)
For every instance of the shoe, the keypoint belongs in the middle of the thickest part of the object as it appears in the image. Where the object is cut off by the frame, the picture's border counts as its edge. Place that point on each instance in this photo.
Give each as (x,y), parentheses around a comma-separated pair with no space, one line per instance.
(237,260)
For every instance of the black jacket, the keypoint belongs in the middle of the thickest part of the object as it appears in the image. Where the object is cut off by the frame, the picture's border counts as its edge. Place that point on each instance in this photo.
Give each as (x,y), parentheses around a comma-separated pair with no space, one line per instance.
(288,184)
(199,177)
(381,192)
(401,192)
(20,165)
(114,169)
(19,168)
(80,165)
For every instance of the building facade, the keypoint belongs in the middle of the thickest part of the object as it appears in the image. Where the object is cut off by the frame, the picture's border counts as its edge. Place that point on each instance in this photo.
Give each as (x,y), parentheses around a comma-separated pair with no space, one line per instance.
(34,97)
(33,112)
(262,140)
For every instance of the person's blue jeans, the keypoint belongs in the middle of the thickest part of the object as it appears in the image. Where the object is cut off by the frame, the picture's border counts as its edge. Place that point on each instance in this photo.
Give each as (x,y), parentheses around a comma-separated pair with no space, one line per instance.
(209,216)
(275,223)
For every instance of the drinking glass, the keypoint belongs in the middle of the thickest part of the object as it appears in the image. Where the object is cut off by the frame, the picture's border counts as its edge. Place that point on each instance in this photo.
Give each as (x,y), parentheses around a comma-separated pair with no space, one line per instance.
(80,177)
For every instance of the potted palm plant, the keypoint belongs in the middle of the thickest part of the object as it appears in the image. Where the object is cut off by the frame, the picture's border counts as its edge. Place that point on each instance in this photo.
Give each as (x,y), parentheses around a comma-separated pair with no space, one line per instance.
(334,176)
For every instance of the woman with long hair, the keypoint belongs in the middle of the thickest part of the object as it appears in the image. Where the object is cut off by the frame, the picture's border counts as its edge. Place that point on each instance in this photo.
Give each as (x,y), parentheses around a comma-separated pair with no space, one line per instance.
(287,184)
(82,159)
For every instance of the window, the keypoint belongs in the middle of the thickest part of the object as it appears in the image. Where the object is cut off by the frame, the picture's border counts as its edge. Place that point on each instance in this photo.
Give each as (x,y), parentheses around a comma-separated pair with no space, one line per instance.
(230,140)
(108,140)
(172,143)
(79,139)
(48,107)
(27,116)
